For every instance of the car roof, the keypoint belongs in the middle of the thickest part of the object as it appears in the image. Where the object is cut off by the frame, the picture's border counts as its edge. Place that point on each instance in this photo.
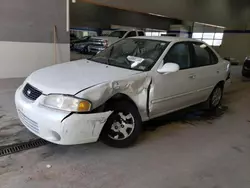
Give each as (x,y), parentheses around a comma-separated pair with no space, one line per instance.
(168,39)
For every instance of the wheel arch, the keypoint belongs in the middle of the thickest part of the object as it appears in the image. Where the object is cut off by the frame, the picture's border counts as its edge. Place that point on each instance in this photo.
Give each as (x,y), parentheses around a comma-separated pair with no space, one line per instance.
(117,97)
(109,105)
(220,83)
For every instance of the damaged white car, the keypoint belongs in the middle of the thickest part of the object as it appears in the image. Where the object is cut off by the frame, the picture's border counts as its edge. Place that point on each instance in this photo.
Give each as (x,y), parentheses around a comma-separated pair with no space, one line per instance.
(111,94)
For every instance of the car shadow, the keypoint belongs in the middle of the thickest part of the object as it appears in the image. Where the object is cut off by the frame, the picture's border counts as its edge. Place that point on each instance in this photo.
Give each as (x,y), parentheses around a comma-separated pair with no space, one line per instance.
(190,116)
(244,79)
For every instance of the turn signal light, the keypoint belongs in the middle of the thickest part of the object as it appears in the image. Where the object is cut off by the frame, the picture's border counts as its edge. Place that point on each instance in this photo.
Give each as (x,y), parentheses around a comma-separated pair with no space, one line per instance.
(84,106)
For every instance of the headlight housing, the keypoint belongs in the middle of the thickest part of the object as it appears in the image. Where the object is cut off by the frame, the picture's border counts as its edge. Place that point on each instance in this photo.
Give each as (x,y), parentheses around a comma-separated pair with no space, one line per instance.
(67,103)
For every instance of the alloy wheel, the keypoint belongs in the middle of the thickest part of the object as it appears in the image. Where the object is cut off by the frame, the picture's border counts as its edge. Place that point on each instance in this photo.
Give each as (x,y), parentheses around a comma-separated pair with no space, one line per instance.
(122,126)
(217,94)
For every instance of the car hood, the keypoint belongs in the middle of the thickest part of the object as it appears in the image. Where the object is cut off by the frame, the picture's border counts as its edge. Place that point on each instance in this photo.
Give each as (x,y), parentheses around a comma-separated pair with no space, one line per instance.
(110,40)
(72,77)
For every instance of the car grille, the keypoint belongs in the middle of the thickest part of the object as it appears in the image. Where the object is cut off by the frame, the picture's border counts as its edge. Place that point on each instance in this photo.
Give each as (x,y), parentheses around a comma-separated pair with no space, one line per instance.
(30,124)
(31,93)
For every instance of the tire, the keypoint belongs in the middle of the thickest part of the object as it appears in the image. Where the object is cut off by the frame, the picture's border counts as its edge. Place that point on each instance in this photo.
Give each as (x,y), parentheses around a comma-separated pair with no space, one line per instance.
(82,51)
(123,126)
(215,98)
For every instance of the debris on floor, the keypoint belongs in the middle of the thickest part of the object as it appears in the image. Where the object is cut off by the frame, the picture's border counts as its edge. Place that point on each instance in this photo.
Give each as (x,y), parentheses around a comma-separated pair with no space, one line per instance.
(48,166)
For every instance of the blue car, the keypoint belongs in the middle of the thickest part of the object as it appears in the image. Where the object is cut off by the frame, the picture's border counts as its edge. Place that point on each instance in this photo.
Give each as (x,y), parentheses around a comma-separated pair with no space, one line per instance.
(82,47)
(75,42)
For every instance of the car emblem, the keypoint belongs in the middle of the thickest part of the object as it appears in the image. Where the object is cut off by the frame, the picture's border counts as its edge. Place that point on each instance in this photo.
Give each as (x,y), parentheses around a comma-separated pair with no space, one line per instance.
(28,92)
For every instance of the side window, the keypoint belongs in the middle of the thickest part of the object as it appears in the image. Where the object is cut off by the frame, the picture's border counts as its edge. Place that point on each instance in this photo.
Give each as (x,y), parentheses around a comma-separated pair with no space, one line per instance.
(179,53)
(131,34)
(140,33)
(204,55)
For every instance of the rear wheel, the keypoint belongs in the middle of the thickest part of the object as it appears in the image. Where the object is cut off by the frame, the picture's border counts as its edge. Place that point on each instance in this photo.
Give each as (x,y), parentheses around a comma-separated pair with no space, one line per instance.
(123,126)
(215,98)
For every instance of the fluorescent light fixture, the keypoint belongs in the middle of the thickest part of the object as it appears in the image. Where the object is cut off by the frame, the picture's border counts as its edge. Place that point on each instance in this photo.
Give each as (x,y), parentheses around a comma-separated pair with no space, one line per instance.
(73,1)
(211,25)
(159,15)
(67,16)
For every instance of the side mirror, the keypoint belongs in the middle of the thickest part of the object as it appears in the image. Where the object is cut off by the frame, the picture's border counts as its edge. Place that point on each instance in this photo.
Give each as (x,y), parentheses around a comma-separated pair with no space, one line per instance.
(168,68)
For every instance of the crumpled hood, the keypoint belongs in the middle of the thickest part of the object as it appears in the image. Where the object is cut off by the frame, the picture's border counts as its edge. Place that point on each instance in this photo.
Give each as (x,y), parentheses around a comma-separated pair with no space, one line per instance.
(72,77)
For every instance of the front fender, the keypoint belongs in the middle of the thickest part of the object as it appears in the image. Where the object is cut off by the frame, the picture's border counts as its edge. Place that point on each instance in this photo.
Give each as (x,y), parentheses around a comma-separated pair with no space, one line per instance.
(135,87)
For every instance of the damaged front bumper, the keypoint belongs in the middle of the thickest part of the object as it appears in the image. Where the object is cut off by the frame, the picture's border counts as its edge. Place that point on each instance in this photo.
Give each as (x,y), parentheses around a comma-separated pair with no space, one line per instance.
(57,126)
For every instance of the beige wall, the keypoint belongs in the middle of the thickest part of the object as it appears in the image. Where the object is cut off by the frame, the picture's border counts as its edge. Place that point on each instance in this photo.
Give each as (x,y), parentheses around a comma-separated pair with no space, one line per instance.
(235,45)
(27,36)
(20,59)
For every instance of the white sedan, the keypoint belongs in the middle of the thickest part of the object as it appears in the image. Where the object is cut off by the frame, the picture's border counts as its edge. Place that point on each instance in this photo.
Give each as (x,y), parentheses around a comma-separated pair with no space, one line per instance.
(111,94)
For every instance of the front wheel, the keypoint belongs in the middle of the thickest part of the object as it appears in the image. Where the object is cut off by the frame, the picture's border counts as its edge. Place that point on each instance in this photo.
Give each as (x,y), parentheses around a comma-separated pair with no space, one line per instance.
(123,126)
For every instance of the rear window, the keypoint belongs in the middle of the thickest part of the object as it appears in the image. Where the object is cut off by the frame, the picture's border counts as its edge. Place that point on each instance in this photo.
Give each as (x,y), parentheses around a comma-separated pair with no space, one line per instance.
(118,34)
(140,33)
(131,34)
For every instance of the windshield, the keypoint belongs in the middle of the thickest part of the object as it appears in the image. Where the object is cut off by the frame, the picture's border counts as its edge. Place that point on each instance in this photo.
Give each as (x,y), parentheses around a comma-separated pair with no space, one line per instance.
(132,53)
(118,34)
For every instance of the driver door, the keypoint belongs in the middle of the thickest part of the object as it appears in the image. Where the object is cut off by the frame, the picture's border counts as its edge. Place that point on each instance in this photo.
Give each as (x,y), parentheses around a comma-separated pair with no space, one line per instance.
(176,90)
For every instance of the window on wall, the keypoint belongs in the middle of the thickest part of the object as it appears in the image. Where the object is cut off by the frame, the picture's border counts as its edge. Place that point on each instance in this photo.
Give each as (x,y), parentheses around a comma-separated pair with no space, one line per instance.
(211,34)
(83,33)
(153,32)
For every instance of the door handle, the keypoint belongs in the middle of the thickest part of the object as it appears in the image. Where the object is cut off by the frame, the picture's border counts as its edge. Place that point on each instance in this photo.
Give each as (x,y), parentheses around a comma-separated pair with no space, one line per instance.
(192,76)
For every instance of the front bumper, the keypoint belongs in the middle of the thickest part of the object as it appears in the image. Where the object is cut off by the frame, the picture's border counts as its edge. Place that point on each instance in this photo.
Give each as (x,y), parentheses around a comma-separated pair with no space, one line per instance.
(58,126)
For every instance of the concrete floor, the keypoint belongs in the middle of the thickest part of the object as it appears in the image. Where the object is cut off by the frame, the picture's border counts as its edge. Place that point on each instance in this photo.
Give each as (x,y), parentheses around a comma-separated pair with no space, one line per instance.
(11,129)
(209,153)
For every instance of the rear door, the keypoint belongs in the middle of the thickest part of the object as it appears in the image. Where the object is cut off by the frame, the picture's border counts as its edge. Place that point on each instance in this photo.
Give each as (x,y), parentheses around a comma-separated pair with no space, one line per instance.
(207,69)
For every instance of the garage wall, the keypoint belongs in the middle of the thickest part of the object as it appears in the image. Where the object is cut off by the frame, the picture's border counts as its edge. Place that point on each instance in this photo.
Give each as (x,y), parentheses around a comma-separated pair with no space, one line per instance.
(236,43)
(85,14)
(27,35)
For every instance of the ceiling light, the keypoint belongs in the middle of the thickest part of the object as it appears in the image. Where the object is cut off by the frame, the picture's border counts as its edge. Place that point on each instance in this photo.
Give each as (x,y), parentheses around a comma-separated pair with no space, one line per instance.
(211,25)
